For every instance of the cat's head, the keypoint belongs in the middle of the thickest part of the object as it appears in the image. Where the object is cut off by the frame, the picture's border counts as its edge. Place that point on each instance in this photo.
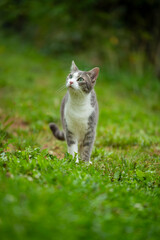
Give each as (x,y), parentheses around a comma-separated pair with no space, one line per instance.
(81,81)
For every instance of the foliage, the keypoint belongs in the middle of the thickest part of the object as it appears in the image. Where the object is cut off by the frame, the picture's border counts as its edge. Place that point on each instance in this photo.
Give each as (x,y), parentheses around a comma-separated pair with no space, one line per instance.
(44,194)
(117,31)
(44,197)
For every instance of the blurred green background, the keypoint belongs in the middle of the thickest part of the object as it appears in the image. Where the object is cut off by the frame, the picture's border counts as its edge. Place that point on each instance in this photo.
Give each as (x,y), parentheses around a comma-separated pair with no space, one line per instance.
(112,33)
(43,193)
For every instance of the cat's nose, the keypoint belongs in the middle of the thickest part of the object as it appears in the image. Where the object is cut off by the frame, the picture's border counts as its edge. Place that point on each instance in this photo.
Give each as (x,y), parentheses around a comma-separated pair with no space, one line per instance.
(71,82)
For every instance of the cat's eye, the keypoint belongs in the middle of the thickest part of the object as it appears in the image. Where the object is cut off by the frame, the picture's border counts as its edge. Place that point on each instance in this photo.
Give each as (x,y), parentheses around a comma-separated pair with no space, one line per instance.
(80,79)
(70,76)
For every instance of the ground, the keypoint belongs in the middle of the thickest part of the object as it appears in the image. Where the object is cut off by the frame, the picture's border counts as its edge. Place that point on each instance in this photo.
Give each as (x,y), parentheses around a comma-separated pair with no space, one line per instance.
(44,194)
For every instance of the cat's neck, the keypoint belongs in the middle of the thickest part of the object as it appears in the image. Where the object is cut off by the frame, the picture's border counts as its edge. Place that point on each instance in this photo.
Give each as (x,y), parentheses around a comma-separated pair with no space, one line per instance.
(78,99)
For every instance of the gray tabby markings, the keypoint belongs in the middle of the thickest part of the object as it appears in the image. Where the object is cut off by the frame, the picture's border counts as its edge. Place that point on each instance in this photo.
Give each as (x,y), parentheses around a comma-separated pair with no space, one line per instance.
(79,90)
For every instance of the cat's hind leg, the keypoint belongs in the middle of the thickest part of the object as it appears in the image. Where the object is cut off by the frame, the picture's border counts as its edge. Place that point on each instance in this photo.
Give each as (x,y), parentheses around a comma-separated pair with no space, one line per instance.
(85,153)
(88,141)
(86,146)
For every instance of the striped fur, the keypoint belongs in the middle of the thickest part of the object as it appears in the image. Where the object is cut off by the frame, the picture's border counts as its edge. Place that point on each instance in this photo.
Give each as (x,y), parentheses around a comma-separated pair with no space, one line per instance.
(79,113)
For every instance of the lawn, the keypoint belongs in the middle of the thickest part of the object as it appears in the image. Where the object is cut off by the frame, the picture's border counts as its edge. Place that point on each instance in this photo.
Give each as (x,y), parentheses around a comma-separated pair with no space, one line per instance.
(44,194)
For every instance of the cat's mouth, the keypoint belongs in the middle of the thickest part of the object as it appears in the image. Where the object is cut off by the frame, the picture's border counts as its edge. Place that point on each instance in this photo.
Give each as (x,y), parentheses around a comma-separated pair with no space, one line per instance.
(71,87)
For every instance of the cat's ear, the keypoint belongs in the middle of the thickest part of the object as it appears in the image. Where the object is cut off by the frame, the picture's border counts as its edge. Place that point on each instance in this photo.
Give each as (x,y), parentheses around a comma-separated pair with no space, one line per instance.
(74,68)
(94,74)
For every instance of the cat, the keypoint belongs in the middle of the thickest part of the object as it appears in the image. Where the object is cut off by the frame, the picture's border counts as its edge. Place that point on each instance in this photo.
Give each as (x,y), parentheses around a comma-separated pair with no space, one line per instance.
(79,113)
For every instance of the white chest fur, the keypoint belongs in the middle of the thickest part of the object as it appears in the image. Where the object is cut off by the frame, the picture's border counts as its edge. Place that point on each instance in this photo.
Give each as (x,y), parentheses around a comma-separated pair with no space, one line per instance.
(77,112)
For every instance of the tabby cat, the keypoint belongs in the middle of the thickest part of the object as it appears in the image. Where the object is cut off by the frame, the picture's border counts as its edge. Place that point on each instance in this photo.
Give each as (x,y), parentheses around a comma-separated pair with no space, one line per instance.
(79,113)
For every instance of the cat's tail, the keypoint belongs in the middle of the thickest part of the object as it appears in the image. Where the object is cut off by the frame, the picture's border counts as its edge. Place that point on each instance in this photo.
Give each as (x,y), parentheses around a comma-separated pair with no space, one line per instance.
(56,132)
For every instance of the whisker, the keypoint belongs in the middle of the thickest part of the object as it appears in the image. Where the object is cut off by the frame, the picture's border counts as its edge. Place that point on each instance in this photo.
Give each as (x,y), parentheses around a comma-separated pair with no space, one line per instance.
(60,86)
(61,89)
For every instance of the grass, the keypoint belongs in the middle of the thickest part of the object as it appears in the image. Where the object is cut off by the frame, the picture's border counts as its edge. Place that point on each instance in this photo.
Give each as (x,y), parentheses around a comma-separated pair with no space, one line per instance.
(43,193)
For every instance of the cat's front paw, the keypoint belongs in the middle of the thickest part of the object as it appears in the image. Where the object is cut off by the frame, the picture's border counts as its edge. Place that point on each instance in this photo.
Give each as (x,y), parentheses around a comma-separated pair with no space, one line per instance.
(77,160)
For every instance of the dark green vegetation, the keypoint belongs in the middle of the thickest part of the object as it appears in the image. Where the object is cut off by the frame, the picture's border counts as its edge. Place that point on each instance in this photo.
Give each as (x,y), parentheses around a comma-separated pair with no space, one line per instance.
(44,194)
(122,32)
